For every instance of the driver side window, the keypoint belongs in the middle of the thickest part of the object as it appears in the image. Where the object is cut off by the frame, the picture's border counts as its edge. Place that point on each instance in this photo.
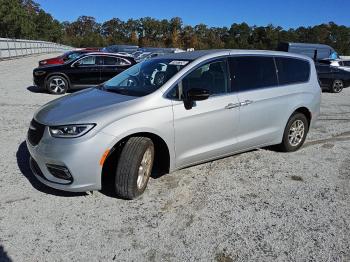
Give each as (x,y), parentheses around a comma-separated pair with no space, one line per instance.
(212,76)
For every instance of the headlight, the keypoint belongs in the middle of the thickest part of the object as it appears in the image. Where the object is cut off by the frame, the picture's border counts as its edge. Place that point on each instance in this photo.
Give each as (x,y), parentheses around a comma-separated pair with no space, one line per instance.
(39,73)
(70,131)
(43,62)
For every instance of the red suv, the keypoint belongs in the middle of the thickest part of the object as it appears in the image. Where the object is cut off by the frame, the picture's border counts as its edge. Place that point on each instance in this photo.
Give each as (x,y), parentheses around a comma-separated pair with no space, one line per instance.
(66,56)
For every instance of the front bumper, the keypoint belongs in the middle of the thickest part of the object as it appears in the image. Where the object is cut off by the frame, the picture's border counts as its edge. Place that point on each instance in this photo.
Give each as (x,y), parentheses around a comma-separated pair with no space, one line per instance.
(38,81)
(81,156)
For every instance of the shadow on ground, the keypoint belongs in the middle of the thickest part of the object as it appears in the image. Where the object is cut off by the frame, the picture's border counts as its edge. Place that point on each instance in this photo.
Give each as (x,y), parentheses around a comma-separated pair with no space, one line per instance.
(35,89)
(23,156)
(3,255)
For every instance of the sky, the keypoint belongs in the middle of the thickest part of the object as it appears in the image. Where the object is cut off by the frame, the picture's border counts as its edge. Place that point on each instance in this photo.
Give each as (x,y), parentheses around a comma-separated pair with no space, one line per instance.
(285,13)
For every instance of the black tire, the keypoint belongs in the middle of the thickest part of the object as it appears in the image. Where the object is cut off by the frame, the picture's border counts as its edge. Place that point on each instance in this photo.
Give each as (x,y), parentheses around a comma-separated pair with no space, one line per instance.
(287,144)
(337,86)
(129,165)
(57,85)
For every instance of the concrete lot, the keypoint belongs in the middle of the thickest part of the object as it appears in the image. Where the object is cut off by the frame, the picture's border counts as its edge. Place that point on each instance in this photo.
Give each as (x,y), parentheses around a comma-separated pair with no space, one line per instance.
(256,206)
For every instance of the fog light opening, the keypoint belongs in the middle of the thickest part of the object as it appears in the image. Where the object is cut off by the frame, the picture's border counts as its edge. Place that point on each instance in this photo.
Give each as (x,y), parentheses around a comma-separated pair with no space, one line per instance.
(60,172)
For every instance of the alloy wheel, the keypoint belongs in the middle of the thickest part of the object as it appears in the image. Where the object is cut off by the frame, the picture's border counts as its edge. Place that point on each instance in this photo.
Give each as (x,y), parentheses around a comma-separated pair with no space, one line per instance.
(57,85)
(296,133)
(337,86)
(144,169)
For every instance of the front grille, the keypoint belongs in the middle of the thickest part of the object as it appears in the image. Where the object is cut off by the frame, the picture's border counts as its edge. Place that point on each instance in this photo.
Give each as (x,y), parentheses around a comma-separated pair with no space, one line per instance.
(35,132)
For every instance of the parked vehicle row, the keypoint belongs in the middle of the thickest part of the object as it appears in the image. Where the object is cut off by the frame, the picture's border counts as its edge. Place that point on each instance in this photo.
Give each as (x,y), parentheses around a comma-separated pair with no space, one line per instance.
(332,78)
(59,60)
(158,116)
(139,54)
(86,70)
(333,73)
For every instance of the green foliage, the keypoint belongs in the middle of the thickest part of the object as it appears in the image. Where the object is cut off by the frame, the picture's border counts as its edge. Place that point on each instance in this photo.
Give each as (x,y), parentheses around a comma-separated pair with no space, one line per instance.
(25,19)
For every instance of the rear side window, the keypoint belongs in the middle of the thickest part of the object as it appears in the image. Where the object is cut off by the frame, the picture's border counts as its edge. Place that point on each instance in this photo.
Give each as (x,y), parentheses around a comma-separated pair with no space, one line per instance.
(115,61)
(252,72)
(292,70)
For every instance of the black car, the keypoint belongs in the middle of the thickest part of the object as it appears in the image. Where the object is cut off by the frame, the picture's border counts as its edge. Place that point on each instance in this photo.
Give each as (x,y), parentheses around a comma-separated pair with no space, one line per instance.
(81,72)
(332,78)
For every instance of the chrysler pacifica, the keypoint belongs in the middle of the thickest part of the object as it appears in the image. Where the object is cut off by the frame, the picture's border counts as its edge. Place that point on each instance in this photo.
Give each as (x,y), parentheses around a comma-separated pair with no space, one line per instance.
(172,112)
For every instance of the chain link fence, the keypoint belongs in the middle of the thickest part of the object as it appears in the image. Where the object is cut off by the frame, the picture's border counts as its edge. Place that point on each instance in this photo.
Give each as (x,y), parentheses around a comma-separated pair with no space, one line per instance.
(12,48)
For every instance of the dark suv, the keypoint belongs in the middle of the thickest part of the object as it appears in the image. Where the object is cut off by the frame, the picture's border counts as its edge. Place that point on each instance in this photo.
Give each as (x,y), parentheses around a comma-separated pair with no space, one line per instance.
(84,71)
(331,78)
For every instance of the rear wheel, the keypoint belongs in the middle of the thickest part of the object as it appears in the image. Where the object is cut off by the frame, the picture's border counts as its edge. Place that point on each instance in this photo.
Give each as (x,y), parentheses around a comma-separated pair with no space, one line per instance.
(134,167)
(295,133)
(337,86)
(57,85)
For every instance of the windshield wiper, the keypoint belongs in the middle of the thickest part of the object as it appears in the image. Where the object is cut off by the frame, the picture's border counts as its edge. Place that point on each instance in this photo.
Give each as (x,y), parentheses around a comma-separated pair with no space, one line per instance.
(115,90)
(100,87)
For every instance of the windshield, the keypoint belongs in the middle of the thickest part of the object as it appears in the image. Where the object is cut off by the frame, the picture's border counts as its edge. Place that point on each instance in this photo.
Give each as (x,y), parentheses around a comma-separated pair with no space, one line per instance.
(69,56)
(144,78)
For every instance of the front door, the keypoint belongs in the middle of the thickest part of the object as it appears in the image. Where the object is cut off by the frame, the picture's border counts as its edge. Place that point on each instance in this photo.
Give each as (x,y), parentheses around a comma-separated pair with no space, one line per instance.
(86,71)
(207,130)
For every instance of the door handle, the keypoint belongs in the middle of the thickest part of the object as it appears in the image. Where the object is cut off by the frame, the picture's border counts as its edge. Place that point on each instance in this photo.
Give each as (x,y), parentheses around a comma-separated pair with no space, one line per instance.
(231,105)
(246,102)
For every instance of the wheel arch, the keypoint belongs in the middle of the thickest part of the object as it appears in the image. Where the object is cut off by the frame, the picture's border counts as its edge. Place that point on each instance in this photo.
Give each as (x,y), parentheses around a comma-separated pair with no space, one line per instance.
(305,111)
(161,162)
(298,109)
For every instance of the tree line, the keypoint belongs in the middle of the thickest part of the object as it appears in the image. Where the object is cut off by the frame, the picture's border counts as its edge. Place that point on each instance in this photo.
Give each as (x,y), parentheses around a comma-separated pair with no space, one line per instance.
(26,19)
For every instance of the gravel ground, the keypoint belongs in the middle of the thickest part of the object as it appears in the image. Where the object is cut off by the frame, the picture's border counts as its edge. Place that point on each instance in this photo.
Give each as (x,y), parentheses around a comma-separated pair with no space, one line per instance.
(256,206)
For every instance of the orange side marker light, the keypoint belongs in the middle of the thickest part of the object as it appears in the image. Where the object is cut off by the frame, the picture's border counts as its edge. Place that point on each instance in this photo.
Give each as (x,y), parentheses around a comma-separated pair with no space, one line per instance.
(104,157)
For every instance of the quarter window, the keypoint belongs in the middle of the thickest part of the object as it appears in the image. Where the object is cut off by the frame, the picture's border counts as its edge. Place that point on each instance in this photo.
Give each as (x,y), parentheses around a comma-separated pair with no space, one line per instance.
(252,72)
(115,61)
(292,70)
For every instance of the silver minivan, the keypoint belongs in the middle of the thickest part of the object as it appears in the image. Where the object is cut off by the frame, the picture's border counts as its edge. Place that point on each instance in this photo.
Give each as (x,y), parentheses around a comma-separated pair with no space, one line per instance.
(171,112)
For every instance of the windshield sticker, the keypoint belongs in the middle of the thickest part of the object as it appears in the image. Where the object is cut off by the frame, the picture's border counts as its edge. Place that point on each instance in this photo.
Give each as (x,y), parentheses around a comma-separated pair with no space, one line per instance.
(178,62)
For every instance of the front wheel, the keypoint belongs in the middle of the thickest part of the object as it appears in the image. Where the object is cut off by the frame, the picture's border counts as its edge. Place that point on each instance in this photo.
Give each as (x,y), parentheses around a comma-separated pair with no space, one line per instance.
(337,86)
(295,133)
(134,167)
(57,85)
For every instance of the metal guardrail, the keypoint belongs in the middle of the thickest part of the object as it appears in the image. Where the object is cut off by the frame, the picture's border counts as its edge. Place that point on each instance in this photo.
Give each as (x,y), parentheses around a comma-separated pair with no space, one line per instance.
(12,48)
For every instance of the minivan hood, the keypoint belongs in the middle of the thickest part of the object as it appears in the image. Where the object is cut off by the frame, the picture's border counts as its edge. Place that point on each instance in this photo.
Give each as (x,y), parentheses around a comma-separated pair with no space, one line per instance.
(87,106)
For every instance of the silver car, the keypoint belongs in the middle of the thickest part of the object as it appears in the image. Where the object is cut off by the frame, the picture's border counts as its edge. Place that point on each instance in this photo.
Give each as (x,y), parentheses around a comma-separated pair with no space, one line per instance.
(171,112)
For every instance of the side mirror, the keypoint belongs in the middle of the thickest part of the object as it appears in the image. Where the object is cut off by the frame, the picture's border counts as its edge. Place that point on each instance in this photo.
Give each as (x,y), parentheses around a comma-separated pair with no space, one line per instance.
(195,94)
(198,94)
(77,64)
